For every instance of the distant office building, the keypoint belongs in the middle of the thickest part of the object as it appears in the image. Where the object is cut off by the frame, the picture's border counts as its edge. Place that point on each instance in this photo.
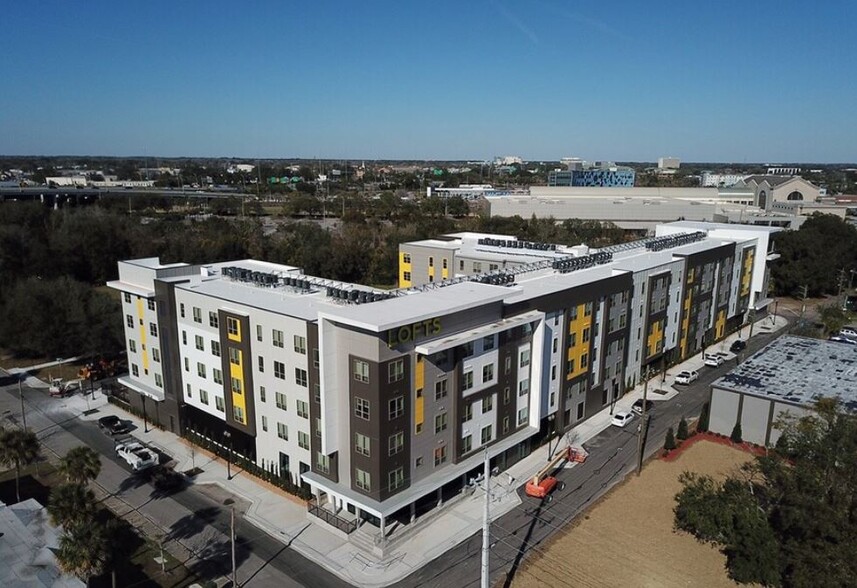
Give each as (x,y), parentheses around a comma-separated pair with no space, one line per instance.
(769,189)
(783,171)
(466,191)
(669,163)
(713,180)
(240,168)
(508,160)
(583,174)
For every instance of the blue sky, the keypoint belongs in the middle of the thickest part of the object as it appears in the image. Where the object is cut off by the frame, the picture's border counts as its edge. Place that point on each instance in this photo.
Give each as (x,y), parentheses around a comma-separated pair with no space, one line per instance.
(758,81)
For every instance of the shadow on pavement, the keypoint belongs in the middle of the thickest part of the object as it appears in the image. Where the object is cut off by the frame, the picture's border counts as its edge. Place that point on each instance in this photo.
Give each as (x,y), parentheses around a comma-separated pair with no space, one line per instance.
(193,524)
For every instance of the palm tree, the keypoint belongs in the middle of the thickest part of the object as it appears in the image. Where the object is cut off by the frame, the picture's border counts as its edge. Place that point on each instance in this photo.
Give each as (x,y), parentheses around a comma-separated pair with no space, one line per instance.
(18,448)
(83,550)
(71,505)
(80,465)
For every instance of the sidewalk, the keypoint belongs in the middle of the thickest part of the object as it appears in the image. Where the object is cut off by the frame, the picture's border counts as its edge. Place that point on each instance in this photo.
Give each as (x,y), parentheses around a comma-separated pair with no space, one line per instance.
(286,518)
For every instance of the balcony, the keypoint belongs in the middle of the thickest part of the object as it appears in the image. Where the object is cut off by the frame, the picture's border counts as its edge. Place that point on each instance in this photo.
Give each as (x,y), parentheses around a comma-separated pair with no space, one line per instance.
(339,522)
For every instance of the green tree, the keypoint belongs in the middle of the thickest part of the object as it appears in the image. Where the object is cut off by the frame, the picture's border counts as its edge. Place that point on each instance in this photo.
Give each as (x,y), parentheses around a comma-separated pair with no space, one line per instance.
(702,424)
(71,504)
(682,433)
(18,448)
(787,518)
(669,441)
(80,465)
(833,317)
(83,550)
(736,435)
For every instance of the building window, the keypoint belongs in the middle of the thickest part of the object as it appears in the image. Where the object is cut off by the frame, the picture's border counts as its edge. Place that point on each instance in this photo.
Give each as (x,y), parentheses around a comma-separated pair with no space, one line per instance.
(461,265)
(156,355)
(524,387)
(584,361)
(586,335)
(488,343)
(301,377)
(580,410)
(151,304)
(395,443)
(477,267)
(507,395)
(277,338)
(406,258)
(587,310)
(232,326)
(555,344)
(467,444)
(217,375)
(186,364)
(132,345)
(467,349)
(316,392)
(395,479)
(441,388)
(238,414)
(440,423)
(525,358)
(361,408)
(445,263)
(553,373)
(300,344)
(200,369)
(418,462)
(215,348)
(218,403)
(236,386)
(361,371)
(261,364)
(396,407)
(197,315)
(406,276)
(279,370)
(264,423)
(303,409)
(322,463)
(508,364)
(153,329)
(440,455)
(396,370)
(184,337)
(159,380)
(467,380)
(280,400)
(262,393)
(181,309)
(487,373)
(129,320)
(468,412)
(431,261)
(189,391)
(487,404)
(523,415)
(487,434)
(283,431)
(361,444)
(362,480)
(315,360)
(199,342)
(127,298)
(213,320)
(234,356)
(505,425)
(303,440)
(258,332)
(203,396)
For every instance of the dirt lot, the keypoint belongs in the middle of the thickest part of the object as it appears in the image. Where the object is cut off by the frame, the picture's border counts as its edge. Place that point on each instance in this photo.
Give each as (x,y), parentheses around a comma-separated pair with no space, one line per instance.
(628,538)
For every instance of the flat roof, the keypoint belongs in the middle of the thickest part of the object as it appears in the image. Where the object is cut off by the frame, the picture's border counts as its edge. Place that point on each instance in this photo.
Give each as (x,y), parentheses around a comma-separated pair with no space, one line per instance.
(798,370)
(703,226)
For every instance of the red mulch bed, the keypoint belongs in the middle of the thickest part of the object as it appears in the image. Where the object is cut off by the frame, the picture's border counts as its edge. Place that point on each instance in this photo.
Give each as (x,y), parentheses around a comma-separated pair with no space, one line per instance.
(713,438)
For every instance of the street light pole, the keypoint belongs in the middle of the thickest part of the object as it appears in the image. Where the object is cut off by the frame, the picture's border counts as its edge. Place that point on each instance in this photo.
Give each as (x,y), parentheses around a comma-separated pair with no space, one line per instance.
(21,395)
(641,431)
(228,435)
(486,525)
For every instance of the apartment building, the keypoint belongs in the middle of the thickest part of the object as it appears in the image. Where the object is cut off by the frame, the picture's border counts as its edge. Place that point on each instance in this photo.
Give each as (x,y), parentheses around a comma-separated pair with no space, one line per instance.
(382,402)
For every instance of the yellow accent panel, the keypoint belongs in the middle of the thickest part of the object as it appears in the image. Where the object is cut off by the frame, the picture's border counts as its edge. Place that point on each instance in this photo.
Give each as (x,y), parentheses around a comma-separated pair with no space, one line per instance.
(685,323)
(581,347)
(655,336)
(404,267)
(444,274)
(419,385)
(236,337)
(720,325)
(431,271)
(747,272)
(144,353)
(420,374)
(237,372)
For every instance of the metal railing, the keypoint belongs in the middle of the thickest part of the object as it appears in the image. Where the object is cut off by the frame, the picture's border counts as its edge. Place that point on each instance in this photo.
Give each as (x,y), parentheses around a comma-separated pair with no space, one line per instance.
(330,518)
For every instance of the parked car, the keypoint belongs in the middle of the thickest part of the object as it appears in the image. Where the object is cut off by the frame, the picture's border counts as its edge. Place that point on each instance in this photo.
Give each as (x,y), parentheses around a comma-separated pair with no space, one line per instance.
(138,456)
(620,419)
(738,345)
(638,406)
(686,377)
(712,359)
(112,425)
(845,340)
(850,332)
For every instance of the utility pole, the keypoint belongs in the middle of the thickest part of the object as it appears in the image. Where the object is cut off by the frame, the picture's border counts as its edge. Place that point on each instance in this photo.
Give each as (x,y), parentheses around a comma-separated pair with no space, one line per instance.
(21,394)
(232,538)
(486,524)
(642,427)
(804,291)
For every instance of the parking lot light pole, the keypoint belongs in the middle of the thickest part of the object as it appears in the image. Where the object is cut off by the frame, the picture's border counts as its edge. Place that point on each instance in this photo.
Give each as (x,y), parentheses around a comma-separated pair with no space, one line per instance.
(228,436)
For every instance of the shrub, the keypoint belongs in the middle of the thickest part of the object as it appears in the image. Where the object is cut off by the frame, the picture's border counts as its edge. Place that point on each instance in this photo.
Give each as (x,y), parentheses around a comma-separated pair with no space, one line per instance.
(682,429)
(702,425)
(736,433)
(669,442)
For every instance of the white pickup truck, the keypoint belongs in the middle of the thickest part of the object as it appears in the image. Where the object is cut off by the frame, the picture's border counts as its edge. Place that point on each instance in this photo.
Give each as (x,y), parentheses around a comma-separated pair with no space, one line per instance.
(138,456)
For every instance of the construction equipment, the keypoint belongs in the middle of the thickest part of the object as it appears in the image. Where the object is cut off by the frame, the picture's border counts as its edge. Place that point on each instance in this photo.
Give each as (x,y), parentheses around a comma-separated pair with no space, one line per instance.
(543,483)
(60,388)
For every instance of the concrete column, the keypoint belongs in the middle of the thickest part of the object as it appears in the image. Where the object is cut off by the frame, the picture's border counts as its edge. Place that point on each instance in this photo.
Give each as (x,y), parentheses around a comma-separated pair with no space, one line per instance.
(413,512)
(383,527)
(440,497)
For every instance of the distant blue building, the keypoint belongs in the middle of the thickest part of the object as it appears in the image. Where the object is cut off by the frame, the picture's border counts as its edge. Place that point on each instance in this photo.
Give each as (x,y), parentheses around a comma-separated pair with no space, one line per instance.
(606,178)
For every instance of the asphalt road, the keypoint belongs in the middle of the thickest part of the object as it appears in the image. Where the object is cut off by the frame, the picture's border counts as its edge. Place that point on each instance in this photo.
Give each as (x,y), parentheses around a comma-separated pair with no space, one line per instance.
(525,530)
(198,521)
